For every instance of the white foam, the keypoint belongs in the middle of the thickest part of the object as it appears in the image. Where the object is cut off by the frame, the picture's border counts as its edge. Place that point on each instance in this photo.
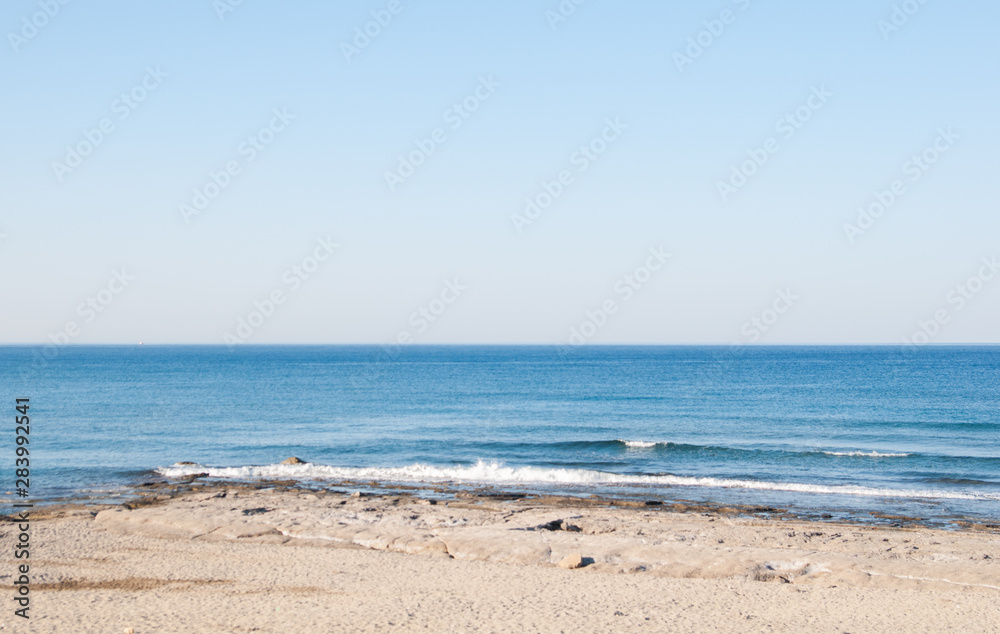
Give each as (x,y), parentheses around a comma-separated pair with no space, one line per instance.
(646,444)
(639,444)
(866,454)
(497,472)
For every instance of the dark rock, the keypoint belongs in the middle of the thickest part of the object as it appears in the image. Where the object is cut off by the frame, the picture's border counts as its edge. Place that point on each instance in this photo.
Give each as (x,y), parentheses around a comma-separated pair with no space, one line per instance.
(558,525)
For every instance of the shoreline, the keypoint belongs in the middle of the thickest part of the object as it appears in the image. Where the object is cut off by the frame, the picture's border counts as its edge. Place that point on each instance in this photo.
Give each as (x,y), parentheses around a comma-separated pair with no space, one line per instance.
(205,556)
(157,488)
(169,493)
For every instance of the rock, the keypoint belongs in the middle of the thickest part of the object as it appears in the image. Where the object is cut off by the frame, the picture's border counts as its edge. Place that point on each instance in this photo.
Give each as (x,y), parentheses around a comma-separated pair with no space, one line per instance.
(293,460)
(570,562)
(423,543)
(558,525)
(187,463)
(156,522)
(487,544)
(356,494)
(376,540)
(242,531)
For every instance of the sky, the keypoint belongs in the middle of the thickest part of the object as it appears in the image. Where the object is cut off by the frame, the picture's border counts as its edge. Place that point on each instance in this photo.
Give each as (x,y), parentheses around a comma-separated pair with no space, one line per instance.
(583,172)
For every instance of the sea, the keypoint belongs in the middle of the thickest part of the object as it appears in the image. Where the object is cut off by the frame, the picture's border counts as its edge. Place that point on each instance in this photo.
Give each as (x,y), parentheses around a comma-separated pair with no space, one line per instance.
(867,433)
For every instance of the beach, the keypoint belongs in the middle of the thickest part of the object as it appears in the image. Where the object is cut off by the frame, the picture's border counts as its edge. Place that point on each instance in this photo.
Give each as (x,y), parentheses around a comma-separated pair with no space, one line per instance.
(280,557)
(500,317)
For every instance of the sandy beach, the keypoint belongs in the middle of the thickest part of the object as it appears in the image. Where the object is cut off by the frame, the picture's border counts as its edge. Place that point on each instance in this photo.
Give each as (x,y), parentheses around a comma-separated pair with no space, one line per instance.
(500,317)
(241,558)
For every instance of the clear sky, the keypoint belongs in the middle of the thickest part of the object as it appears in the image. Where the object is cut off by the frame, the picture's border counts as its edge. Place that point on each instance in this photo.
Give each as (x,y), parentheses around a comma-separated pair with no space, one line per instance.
(647,112)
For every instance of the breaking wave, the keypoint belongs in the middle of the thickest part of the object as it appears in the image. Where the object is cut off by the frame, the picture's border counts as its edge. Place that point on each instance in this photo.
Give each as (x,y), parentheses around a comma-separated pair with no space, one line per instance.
(494,472)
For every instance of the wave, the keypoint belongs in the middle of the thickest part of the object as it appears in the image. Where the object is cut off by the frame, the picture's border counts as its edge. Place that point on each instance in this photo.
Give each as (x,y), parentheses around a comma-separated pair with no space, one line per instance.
(495,472)
(650,444)
(641,444)
(865,454)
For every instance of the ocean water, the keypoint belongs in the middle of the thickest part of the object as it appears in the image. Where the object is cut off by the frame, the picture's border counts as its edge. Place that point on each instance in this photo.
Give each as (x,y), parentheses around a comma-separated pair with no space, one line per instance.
(842,430)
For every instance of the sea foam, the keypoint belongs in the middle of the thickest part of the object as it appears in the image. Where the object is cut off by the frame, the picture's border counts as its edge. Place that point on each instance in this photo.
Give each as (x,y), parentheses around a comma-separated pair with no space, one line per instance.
(494,472)
(866,454)
(640,444)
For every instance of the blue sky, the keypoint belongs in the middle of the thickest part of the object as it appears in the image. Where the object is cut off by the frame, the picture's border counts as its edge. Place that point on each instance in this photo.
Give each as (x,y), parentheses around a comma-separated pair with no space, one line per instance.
(769,262)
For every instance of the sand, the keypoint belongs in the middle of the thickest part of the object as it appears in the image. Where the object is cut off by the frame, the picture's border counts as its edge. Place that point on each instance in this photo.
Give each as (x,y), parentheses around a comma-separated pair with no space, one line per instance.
(243,559)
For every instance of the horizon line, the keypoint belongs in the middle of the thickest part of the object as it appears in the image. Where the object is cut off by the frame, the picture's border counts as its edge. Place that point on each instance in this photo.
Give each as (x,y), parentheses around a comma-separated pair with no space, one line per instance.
(482,344)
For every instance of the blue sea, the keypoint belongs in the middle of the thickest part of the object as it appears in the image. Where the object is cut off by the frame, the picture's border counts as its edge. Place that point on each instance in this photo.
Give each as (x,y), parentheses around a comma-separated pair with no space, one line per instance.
(844,431)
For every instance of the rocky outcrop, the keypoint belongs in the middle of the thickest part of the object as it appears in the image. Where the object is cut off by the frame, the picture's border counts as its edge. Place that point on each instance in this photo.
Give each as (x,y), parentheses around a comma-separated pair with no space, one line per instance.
(527,533)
